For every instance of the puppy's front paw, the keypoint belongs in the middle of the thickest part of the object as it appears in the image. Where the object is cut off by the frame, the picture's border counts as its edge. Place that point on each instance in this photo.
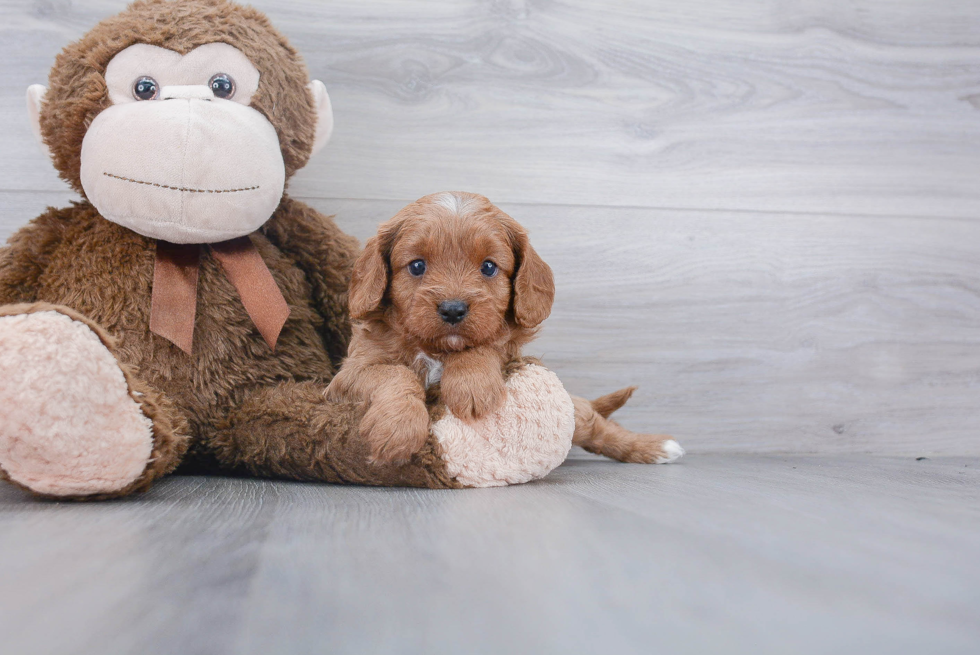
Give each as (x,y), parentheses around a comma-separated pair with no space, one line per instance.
(470,398)
(339,389)
(395,429)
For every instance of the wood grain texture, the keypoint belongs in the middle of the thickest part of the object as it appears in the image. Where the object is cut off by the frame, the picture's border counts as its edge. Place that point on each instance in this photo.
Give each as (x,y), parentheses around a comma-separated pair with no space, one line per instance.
(810,106)
(717,554)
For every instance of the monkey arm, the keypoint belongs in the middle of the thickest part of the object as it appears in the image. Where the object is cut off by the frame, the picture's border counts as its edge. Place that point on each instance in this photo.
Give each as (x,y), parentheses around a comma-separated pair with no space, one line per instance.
(326,255)
(288,431)
(25,257)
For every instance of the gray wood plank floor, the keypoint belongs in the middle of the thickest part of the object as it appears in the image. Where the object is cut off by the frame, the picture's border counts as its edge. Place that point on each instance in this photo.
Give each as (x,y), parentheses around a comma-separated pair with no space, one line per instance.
(717,554)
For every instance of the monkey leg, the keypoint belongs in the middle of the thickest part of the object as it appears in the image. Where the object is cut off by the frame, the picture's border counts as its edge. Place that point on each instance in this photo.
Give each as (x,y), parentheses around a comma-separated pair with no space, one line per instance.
(75,422)
(292,431)
(597,433)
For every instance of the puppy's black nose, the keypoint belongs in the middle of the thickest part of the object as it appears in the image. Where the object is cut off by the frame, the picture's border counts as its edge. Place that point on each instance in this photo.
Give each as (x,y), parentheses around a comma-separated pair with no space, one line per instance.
(453,311)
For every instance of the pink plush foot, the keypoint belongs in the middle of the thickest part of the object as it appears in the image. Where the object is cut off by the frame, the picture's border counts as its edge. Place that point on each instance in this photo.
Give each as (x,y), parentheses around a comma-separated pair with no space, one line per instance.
(68,424)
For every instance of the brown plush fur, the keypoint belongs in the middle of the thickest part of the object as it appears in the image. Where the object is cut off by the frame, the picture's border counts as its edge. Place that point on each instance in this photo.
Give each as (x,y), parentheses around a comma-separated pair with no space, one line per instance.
(234,404)
(397,317)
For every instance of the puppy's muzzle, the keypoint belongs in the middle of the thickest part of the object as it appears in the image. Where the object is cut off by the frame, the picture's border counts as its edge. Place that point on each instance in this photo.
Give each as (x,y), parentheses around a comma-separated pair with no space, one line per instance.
(453,311)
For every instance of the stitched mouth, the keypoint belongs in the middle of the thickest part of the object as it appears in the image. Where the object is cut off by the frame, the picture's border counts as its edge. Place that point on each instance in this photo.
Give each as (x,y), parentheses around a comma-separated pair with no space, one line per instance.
(179,188)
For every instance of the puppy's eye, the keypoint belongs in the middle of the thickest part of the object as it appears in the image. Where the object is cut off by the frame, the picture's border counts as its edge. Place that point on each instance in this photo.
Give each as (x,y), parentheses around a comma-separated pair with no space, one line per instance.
(417,267)
(489,269)
(145,88)
(222,86)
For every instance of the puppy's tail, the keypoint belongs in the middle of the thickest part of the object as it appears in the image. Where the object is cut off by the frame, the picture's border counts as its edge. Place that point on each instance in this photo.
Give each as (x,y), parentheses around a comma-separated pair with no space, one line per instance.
(606,405)
(597,433)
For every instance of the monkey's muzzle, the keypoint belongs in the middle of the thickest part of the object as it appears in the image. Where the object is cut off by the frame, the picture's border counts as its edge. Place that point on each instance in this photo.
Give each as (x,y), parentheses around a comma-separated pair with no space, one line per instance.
(186,169)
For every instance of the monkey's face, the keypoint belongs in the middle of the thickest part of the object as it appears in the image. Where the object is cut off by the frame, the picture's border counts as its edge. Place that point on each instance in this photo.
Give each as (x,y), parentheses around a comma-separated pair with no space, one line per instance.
(180,155)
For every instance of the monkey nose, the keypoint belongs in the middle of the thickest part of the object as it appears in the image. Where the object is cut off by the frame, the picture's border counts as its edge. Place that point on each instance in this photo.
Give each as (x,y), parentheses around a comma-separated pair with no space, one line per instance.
(187,92)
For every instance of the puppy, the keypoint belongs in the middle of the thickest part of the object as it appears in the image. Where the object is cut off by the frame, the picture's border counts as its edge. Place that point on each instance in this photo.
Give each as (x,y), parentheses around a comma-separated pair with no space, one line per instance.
(449,291)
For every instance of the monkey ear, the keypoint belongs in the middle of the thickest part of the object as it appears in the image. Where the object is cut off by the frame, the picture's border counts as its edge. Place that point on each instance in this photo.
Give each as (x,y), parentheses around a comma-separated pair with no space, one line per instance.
(324,115)
(368,280)
(534,284)
(35,96)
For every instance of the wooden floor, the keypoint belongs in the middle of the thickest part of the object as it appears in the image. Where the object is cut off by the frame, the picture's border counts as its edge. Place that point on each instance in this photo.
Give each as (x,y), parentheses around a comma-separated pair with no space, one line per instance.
(716,554)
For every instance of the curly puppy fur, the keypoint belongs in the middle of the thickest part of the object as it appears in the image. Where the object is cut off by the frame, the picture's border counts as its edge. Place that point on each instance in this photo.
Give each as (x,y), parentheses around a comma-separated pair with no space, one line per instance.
(402,328)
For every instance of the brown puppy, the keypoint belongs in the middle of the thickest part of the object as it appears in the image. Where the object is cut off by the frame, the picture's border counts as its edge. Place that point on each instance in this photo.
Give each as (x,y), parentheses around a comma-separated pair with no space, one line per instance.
(451,289)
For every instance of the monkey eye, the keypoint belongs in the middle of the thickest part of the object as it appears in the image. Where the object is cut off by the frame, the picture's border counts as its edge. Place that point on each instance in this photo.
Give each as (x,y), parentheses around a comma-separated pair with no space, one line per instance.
(222,86)
(489,269)
(417,267)
(145,88)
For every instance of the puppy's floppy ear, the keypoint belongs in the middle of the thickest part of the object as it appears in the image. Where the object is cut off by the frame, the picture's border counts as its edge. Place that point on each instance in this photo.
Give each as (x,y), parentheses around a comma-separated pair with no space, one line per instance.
(368,280)
(534,284)
(372,270)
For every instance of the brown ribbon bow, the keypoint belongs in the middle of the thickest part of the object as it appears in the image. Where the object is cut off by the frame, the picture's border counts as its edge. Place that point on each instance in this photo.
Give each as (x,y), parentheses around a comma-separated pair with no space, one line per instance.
(174,301)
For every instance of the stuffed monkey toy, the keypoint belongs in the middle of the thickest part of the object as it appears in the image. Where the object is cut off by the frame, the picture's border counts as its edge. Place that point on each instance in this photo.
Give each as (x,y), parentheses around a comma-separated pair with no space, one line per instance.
(187,312)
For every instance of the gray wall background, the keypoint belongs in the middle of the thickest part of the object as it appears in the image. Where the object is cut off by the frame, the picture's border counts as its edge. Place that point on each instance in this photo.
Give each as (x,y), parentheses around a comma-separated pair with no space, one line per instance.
(766,214)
